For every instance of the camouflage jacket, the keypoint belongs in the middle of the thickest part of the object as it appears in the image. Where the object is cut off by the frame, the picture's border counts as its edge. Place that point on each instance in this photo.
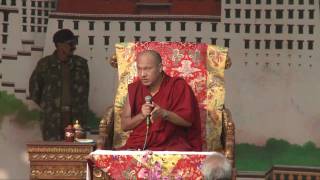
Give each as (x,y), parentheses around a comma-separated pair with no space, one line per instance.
(45,88)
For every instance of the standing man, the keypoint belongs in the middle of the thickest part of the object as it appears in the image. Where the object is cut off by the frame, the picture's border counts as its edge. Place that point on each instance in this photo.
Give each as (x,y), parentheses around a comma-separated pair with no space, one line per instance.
(174,112)
(60,86)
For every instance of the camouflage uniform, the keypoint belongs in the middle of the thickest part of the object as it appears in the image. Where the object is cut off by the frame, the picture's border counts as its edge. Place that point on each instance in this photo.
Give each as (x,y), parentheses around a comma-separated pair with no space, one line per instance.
(45,87)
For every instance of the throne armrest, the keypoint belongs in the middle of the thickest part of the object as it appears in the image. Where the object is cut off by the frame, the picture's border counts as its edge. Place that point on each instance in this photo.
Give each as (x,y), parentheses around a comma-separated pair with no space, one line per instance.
(113,61)
(105,139)
(228,136)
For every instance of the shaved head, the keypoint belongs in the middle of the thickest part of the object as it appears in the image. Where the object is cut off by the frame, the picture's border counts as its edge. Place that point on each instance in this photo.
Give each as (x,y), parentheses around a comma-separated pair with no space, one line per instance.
(156,56)
(149,66)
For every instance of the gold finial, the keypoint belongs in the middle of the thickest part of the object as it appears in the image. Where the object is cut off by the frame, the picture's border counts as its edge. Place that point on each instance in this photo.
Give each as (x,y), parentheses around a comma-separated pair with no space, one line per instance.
(228,62)
(77,125)
(113,61)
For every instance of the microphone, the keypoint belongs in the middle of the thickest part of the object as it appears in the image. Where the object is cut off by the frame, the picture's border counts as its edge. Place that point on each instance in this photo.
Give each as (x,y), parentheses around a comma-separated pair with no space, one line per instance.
(148,100)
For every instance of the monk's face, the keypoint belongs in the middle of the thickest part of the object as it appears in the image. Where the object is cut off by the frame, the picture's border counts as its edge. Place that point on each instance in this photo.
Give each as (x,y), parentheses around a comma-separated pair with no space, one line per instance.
(149,69)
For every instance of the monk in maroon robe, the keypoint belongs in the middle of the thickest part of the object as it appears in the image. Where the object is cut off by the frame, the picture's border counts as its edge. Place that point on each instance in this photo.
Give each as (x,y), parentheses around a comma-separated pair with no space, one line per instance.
(174,112)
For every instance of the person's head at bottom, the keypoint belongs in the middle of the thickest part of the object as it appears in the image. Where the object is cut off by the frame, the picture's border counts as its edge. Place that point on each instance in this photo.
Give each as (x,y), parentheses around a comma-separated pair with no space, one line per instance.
(217,167)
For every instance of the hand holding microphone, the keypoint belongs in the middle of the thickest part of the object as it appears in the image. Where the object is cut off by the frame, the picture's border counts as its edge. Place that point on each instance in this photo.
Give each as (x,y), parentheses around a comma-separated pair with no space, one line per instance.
(152,111)
(147,109)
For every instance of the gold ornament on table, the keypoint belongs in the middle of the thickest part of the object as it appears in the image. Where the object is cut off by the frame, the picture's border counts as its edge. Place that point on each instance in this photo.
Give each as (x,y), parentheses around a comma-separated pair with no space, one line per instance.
(69,133)
(79,132)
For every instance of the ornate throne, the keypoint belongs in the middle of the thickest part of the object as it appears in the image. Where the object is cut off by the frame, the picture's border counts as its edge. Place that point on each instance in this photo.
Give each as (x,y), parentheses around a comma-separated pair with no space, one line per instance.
(202,66)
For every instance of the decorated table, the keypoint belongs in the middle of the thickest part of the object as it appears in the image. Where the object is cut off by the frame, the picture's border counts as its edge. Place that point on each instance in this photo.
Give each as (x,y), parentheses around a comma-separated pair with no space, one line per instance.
(148,164)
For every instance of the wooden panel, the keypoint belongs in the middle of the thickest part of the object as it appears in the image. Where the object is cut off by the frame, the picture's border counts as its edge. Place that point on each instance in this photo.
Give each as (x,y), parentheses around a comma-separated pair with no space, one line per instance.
(294,173)
(58,160)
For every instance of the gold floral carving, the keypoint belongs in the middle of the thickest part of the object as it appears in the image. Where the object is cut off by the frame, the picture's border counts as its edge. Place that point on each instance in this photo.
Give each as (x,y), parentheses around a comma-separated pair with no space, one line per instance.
(57,157)
(58,171)
(71,150)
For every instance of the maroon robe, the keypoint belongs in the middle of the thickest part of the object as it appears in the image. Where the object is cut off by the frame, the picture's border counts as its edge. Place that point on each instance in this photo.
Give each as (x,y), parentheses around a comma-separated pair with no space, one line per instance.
(174,95)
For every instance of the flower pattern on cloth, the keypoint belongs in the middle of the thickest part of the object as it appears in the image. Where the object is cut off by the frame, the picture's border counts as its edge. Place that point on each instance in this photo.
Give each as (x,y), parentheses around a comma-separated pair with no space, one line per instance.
(201,65)
(151,166)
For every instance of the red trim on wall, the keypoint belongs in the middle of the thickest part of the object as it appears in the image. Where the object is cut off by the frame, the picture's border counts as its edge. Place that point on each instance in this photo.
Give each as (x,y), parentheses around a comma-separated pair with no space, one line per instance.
(127,17)
(173,7)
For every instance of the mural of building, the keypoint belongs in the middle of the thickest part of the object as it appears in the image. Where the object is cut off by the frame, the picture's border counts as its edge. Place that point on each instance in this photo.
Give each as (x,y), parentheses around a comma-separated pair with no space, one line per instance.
(23,30)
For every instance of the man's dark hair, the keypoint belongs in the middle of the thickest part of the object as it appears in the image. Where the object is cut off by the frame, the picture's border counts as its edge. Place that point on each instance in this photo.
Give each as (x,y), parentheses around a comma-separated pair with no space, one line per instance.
(63,35)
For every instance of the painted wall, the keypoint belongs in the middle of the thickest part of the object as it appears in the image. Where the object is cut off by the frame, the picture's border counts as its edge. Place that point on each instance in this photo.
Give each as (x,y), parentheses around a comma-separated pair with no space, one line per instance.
(275,97)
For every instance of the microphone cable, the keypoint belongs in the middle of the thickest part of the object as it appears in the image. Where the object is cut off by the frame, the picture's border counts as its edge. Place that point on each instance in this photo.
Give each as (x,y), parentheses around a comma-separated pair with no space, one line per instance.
(146,137)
